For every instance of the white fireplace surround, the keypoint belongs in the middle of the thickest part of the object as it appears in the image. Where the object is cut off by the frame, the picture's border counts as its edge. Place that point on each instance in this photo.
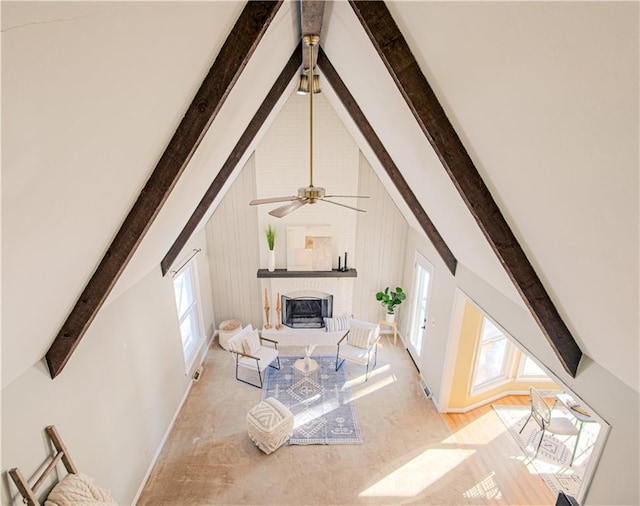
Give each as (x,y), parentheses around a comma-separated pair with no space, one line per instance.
(340,288)
(306,293)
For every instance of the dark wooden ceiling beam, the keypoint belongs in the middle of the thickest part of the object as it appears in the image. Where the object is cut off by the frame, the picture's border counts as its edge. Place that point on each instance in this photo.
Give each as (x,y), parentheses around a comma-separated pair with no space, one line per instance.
(278,88)
(311,17)
(223,74)
(334,80)
(404,69)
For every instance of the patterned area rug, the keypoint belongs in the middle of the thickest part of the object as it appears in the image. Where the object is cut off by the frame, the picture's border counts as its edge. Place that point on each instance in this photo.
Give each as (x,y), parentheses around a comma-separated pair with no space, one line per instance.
(554,456)
(320,400)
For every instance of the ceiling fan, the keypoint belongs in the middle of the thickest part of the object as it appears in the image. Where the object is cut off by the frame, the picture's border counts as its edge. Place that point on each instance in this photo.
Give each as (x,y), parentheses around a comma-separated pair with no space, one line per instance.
(307,194)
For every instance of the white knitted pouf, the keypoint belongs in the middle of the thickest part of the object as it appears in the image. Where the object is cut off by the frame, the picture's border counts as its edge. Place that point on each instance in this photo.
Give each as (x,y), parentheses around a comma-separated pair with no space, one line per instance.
(227,330)
(269,424)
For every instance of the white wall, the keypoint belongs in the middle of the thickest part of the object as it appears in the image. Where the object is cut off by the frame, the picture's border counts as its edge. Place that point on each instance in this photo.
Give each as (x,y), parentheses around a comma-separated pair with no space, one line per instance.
(544,96)
(116,397)
(86,114)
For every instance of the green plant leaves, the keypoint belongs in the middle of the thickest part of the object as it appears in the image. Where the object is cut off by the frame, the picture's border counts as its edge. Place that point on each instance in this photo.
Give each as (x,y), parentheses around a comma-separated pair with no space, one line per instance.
(390,299)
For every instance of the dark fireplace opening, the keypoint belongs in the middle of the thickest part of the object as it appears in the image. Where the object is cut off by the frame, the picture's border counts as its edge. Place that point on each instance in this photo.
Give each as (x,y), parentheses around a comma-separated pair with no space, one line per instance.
(306,312)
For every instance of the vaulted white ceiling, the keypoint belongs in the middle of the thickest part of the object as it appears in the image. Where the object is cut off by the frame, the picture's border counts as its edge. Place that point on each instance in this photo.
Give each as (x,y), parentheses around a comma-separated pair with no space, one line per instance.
(543,95)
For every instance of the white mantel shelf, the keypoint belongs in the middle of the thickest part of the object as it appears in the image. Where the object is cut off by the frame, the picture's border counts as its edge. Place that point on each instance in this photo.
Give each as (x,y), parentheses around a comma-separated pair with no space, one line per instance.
(284,273)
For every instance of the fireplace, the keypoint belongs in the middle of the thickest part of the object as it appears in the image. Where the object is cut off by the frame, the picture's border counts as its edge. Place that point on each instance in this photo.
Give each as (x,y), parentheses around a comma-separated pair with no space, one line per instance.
(306,311)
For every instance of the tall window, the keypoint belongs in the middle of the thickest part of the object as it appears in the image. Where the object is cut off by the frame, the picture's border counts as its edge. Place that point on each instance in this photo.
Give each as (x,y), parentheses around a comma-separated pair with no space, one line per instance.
(529,370)
(493,358)
(184,288)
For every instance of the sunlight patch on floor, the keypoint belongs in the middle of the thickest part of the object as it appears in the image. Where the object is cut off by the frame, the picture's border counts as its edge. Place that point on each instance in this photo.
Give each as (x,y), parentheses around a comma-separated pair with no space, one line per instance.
(486,489)
(371,387)
(418,474)
(360,380)
(307,416)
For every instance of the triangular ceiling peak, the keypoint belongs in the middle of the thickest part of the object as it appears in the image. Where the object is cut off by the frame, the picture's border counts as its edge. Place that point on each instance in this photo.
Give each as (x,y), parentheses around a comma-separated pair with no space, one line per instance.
(394,51)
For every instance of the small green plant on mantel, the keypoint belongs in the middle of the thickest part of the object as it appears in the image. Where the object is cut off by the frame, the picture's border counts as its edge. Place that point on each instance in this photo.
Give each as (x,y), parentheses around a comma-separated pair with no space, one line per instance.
(391,299)
(271,237)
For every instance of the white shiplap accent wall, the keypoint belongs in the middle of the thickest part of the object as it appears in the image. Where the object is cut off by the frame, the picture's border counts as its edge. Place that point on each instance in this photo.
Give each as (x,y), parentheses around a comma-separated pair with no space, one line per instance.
(232,243)
(375,240)
(282,166)
(381,239)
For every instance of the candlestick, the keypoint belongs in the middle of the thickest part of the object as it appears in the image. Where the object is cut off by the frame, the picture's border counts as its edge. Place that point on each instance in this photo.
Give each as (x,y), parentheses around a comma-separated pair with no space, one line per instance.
(266,309)
(345,261)
(278,309)
(339,263)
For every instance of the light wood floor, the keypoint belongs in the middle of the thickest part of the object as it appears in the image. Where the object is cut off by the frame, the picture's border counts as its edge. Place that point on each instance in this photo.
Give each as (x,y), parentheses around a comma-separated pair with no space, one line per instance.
(411,454)
(500,475)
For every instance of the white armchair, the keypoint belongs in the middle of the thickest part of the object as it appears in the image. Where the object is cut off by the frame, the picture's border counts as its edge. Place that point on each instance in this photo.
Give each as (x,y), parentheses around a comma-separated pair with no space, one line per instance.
(250,353)
(359,345)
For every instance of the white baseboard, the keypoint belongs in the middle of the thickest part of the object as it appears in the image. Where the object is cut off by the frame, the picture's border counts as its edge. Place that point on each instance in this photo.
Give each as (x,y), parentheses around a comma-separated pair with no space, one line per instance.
(487,401)
(202,353)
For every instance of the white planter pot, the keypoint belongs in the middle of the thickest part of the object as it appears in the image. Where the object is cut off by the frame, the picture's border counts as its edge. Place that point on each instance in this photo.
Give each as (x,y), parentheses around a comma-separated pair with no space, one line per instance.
(390,318)
(271,260)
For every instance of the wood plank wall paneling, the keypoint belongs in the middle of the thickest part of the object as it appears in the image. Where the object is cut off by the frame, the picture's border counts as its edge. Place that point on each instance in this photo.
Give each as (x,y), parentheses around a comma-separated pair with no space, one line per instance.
(233,253)
(381,236)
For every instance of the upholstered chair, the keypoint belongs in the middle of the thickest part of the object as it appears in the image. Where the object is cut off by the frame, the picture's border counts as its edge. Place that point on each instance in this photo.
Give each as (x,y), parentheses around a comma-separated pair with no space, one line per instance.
(359,345)
(253,353)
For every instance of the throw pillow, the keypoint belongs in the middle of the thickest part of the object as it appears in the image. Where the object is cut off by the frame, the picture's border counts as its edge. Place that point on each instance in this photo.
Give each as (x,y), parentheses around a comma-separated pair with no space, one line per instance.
(251,343)
(235,343)
(359,336)
(338,323)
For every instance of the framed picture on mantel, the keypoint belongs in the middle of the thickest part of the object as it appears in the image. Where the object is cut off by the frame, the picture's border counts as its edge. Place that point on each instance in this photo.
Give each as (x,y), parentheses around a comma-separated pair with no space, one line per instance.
(309,248)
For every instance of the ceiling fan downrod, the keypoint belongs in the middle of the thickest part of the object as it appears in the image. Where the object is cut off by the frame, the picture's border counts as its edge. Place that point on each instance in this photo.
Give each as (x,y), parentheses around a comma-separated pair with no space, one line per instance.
(306,194)
(311,41)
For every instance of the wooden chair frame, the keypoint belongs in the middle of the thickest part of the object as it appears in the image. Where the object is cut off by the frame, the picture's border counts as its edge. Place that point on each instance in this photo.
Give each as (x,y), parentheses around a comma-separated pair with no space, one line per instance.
(29,491)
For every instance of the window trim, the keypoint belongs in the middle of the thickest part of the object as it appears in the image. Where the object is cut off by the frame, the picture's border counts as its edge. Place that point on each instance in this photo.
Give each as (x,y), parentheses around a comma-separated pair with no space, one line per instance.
(508,362)
(189,354)
(522,358)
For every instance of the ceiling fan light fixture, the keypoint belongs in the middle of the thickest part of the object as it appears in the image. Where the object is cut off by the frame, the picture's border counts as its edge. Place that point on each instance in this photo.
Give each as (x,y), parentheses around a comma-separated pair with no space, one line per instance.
(316,83)
(303,87)
(311,193)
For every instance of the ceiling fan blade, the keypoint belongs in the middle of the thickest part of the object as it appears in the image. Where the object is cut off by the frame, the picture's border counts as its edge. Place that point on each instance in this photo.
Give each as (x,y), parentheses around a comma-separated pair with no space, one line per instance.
(350,196)
(271,200)
(281,212)
(343,205)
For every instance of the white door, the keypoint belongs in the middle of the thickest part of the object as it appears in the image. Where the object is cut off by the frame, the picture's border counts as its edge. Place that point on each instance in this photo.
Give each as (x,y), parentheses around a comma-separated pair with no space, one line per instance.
(422,271)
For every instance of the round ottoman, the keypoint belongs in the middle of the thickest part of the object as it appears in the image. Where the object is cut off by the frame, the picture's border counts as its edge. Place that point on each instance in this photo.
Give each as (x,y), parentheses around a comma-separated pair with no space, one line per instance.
(227,330)
(269,424)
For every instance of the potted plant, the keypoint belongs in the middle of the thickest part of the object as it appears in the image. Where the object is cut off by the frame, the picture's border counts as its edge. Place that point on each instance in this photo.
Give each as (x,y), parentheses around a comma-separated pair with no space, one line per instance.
(271,242)
(390,300)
